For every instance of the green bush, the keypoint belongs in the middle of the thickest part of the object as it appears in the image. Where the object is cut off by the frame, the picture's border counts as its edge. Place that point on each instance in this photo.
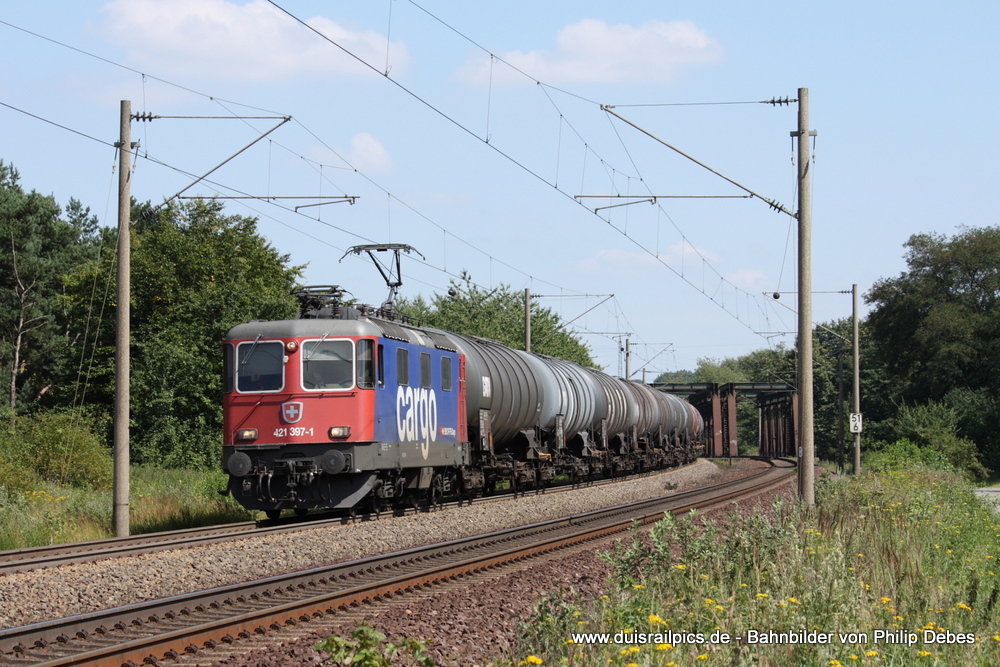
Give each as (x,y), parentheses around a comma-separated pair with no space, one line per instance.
(900,454)
(16,474)
(59,446)
(929,434)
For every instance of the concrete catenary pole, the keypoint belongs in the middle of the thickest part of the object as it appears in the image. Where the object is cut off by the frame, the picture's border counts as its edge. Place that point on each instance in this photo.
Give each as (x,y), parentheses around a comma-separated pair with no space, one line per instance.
(856,389)
(807,454)
(527,319)
(120,513)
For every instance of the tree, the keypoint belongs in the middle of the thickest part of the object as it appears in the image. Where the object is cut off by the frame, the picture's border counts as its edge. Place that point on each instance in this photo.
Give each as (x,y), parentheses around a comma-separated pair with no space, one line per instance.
(38,249)
(196,273)
(937,325)
(497,314)
(937,329)
(681,376)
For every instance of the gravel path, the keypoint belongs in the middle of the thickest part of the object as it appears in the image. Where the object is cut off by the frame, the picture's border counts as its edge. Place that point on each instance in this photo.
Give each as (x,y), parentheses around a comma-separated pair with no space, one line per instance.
(31,597)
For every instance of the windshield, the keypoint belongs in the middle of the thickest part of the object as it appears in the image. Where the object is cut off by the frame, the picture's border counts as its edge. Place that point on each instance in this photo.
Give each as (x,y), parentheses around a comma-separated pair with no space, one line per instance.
(260,366)
(327,364)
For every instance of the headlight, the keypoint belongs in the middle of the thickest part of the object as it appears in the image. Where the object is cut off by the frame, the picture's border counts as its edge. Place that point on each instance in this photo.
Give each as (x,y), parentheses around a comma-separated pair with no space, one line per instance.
(246,434)
(338,432)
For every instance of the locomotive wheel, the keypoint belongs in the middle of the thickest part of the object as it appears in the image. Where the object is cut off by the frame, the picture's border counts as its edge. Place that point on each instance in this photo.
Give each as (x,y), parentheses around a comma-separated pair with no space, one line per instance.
(272,514)
(376,504)
(301,511)
(437,491)
(408,501)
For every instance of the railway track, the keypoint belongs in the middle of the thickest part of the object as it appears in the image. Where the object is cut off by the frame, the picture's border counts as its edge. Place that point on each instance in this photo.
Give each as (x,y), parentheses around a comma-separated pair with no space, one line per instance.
(22,560)
(168,629)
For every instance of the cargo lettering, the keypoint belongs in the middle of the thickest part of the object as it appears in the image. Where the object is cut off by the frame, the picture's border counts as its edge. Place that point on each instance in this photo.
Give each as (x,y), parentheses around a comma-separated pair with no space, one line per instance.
(416,416)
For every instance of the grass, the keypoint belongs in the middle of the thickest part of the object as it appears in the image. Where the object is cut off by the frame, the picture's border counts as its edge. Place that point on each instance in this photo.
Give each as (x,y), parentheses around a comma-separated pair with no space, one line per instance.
(174,499)
(160,499)
(991,483)
(893,553)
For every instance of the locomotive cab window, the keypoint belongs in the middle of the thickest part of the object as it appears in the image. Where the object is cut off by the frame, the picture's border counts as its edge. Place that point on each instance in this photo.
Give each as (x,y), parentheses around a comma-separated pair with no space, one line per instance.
(327,364)
(366,363)
(260,366)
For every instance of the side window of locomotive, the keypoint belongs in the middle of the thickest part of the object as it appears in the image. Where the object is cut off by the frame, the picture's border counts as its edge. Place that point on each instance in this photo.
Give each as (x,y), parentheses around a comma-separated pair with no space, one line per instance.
(260,366)
(327,364)
(227,368)
(403,366)
(366,364)
(425,370)
(380,366)
(445,373)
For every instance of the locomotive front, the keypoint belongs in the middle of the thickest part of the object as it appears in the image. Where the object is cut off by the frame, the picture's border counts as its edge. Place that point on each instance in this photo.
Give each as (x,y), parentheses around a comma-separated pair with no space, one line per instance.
(316,411)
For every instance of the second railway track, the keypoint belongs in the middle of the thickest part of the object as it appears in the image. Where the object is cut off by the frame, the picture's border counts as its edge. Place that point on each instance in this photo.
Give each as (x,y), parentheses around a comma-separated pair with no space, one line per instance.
(54,555)
(158,630)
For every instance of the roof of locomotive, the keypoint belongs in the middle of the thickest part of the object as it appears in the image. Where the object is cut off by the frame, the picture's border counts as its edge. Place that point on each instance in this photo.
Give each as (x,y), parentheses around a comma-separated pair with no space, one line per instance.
(303,328)
(327,327)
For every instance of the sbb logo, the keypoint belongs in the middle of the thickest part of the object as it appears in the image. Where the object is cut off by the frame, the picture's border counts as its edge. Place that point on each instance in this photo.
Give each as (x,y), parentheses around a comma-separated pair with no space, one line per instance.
(416,416)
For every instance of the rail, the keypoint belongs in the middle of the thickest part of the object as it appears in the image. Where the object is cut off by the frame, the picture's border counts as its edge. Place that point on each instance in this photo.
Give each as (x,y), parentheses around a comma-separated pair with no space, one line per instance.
(168,628)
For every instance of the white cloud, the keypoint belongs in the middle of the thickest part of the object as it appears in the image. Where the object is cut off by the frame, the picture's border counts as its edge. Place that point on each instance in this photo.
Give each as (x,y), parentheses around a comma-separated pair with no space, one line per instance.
(253,41)
(368,154)
(684,253)
(616,260)
(750,280)
(681,257)
(592,51)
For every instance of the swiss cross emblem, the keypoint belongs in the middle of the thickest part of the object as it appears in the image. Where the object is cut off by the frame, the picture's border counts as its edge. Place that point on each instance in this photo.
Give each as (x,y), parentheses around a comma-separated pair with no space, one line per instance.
(291,412)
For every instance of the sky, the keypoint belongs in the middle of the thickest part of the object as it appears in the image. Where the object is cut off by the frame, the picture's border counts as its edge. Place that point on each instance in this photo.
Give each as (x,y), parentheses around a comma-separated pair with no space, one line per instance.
(576,149)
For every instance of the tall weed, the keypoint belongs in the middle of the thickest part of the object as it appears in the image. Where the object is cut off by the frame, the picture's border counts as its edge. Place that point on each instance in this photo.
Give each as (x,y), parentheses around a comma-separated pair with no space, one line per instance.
(903,551)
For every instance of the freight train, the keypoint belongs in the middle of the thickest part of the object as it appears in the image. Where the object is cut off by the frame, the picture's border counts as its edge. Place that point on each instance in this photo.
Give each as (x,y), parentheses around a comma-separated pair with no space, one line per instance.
(358,408)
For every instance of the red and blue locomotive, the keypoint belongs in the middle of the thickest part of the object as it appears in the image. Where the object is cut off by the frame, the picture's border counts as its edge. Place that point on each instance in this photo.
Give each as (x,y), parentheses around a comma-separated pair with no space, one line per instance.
(348,407)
